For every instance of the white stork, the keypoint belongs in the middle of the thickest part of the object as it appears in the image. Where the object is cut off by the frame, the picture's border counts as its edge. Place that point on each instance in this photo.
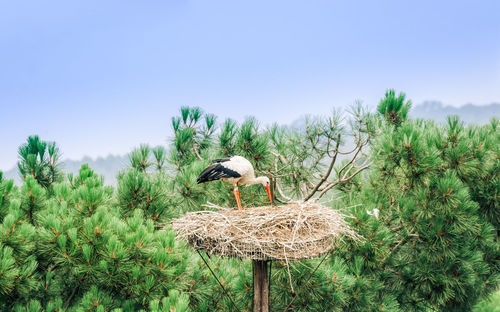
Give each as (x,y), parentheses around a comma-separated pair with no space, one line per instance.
(235,169)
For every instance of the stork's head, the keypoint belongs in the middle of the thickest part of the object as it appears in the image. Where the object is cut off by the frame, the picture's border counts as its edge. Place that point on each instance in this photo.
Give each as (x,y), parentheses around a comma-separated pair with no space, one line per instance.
(267,184)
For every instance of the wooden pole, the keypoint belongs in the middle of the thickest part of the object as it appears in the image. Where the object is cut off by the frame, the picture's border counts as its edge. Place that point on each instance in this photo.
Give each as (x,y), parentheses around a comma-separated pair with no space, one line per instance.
(260,286)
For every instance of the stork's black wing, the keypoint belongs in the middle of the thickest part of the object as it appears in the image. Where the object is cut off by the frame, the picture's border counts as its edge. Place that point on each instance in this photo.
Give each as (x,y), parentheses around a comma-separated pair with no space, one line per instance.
(216,172)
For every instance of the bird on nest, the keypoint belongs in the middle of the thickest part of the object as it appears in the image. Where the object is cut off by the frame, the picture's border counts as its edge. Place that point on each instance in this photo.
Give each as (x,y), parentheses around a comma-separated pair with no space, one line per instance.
(237,170)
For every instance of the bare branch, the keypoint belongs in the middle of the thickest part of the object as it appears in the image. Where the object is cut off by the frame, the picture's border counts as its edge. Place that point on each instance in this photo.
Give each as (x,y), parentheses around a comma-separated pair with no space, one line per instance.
(303,189)
(344,179)
(278,186)
(280,191)
(196,153)
(282,158)
(327,174)
(359,148)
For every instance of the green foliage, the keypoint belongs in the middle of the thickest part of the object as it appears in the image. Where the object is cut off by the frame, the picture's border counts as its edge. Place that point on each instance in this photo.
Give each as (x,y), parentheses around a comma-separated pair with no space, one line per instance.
(83,254)
(394,108)
(174,302)
(489,304)
(443,254)
(227,138)
(150,193)
(33,198)
(6,187)
(139,158)
(251,144)
(18,264)
(160,157)
(474,153)
(40,160)
(192,137)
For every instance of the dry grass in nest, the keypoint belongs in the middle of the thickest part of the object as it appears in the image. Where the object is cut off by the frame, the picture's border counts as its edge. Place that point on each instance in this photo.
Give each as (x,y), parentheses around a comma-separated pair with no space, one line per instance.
(291,232)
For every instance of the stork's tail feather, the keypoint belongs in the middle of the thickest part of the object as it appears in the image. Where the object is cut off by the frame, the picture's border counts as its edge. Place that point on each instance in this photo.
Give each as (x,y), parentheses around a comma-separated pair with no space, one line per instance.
(202,180)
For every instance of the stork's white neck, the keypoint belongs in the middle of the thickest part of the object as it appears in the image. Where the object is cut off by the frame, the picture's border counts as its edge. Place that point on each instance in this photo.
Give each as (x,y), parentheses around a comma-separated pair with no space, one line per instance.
(258,180)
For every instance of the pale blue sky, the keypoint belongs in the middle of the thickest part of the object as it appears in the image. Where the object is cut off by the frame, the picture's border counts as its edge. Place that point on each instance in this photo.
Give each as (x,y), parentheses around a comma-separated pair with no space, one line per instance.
(101,77)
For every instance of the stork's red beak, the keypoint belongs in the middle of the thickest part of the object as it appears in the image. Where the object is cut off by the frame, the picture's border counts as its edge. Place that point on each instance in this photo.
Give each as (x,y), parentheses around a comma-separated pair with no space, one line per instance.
(268,189)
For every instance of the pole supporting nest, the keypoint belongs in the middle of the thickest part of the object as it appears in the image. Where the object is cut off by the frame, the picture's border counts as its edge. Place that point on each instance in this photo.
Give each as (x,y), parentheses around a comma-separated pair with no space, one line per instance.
(260,286)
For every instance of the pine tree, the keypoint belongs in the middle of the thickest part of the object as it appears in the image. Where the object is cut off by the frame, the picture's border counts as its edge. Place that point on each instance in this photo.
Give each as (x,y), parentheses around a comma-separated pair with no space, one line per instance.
(84,237)
(18,264)
(72,249)
(441,240)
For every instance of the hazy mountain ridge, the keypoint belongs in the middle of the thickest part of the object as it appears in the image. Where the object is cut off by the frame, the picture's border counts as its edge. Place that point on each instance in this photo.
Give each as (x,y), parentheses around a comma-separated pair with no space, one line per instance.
(110,165)
(472,114)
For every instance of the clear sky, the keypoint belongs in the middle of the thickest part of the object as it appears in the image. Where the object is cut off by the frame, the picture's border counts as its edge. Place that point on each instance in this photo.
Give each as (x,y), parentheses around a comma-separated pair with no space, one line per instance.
(101,77)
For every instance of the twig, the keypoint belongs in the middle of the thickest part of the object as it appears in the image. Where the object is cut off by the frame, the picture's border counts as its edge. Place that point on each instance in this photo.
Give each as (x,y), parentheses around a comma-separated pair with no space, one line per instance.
(73,293)
(288,269)
(220,284)
(303,285)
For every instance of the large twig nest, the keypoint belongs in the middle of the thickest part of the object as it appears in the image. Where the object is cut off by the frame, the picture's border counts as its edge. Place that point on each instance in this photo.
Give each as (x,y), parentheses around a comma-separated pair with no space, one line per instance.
(292,232)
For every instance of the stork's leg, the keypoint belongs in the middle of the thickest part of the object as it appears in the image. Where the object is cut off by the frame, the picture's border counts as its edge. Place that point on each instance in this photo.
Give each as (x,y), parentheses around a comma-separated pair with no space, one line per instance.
(237,196)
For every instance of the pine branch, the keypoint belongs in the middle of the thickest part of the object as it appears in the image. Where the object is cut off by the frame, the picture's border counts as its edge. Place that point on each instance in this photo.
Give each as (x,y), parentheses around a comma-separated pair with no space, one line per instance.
(75,289)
